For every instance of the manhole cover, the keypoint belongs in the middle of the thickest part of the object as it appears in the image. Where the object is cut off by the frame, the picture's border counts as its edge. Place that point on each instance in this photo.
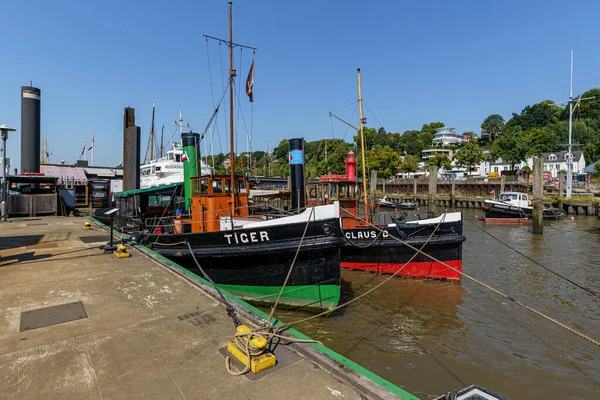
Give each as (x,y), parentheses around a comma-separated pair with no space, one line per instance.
(94,239)
(41,317)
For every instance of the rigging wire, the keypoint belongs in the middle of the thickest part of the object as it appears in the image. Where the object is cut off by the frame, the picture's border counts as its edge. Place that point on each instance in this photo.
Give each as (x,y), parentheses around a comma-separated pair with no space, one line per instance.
(212,92)
(373,114)
(537,263)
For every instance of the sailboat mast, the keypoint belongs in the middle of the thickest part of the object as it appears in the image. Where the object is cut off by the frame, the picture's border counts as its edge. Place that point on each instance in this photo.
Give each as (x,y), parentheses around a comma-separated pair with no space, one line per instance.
(362,142)
(152,135)
(162,131)
(231,142)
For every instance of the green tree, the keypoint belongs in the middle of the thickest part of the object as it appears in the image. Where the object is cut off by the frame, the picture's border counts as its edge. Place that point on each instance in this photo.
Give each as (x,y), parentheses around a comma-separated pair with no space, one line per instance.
(470,155)
(511,146)
(410,143)
(409,164)
(384,160)
(493,125)
(440,160)
(538,141)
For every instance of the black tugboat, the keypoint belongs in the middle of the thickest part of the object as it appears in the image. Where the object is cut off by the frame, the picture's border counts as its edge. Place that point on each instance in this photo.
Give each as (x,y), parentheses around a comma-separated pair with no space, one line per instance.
(246,255)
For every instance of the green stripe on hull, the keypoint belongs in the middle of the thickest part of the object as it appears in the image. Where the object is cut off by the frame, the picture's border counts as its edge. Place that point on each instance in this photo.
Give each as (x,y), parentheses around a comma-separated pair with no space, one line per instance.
(321,297)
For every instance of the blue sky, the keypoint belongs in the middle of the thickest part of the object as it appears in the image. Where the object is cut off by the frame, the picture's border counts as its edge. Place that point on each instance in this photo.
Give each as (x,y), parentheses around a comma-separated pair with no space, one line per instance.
(455,62)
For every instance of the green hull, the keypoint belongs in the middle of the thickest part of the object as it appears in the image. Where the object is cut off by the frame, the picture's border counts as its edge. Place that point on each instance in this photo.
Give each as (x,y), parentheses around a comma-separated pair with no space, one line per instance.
(314,298)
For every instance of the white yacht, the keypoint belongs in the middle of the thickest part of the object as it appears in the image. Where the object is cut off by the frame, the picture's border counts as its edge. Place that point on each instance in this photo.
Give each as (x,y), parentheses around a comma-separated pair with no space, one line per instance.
(166,170)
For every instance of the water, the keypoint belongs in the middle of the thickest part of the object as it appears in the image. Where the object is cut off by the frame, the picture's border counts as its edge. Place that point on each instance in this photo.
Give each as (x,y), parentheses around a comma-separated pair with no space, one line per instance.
(434,337)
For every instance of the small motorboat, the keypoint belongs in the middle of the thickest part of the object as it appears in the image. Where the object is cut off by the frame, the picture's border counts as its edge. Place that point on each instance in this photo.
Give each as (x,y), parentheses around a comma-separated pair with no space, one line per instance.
(384,202)
(514,207)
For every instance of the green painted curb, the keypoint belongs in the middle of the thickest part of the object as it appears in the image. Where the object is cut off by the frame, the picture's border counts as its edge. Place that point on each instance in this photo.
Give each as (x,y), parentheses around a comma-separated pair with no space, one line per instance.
(325,350)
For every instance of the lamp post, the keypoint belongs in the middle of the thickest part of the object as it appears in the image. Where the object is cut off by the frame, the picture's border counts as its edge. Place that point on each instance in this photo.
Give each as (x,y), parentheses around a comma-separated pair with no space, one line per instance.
(4,131)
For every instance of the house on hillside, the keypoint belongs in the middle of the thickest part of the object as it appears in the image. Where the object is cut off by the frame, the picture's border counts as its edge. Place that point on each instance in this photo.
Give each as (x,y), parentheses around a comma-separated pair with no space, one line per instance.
(553,163)
(557,161)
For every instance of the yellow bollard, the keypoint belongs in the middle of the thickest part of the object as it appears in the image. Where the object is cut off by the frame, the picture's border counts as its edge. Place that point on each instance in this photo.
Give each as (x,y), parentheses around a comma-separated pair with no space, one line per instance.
(87,226)
(121,251)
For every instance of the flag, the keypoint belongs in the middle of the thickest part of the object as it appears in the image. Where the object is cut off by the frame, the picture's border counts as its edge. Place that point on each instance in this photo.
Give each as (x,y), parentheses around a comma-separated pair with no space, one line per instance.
(250,82)
(92,146)
(84,146)
(184,156)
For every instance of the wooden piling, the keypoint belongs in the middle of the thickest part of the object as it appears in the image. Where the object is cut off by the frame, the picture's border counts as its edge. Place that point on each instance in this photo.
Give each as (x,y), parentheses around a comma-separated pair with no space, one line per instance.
(433,172)
(372,188)
(538,187)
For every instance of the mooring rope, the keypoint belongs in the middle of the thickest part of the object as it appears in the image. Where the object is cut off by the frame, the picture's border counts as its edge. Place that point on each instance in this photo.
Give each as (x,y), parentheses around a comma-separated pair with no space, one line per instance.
(537,263)
(274,307)
(531,309)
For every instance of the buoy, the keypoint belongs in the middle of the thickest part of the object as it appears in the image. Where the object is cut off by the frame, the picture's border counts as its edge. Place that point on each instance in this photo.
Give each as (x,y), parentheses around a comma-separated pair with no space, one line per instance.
(476,217)
(571,218)
(525,219)
(159,231)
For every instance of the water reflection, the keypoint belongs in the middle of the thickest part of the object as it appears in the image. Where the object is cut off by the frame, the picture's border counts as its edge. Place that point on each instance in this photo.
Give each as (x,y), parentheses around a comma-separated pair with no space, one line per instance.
(434,337)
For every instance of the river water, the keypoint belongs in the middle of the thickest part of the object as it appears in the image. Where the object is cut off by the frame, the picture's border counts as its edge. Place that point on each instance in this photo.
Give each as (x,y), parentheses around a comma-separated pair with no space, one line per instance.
(432,337)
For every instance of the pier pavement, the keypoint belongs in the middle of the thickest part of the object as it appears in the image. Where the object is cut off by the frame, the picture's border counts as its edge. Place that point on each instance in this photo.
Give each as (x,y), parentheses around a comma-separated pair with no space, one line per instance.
(147,332)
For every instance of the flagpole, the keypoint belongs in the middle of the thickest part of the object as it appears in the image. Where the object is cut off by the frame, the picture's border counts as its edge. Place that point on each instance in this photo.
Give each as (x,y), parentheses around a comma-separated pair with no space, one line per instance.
(92,148)
(85,150)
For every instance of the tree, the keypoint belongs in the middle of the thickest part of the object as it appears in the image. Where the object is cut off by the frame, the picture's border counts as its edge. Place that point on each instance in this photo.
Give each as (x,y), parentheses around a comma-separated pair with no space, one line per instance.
(440,160)
(470,155)
(410,143)
(409,164)
(493,125)
(384,160)
(597,167)
(511,146)
(538,141)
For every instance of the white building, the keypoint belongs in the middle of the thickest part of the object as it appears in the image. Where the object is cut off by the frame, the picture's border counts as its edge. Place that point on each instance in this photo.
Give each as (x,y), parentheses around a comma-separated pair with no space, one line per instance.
(447,137)
(553,162)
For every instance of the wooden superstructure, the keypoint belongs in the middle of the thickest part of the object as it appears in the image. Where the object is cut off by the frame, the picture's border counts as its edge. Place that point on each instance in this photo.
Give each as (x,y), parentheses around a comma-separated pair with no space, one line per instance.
(212,199)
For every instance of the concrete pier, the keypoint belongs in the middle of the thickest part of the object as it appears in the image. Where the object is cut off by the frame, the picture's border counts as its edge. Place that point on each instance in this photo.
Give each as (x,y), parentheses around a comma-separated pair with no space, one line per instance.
(149,330)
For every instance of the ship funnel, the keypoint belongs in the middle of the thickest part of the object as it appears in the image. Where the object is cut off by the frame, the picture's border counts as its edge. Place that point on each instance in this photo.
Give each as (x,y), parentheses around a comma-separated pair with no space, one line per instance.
(297,174)
(190,142)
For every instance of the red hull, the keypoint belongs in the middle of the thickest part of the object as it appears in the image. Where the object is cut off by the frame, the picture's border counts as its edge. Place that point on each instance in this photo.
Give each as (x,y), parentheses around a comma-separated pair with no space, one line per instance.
(416,269)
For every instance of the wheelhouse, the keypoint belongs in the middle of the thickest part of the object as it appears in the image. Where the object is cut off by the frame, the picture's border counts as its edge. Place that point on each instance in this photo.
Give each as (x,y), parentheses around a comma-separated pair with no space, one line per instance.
(212,199)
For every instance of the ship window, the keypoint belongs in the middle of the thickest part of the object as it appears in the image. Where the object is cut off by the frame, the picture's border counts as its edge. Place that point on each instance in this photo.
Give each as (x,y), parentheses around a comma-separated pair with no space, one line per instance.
(312,192)
(217,187)
(195,191)
(204,186)
(227,186)
(157,169)
(241,186)
(333,192)
(178,157)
